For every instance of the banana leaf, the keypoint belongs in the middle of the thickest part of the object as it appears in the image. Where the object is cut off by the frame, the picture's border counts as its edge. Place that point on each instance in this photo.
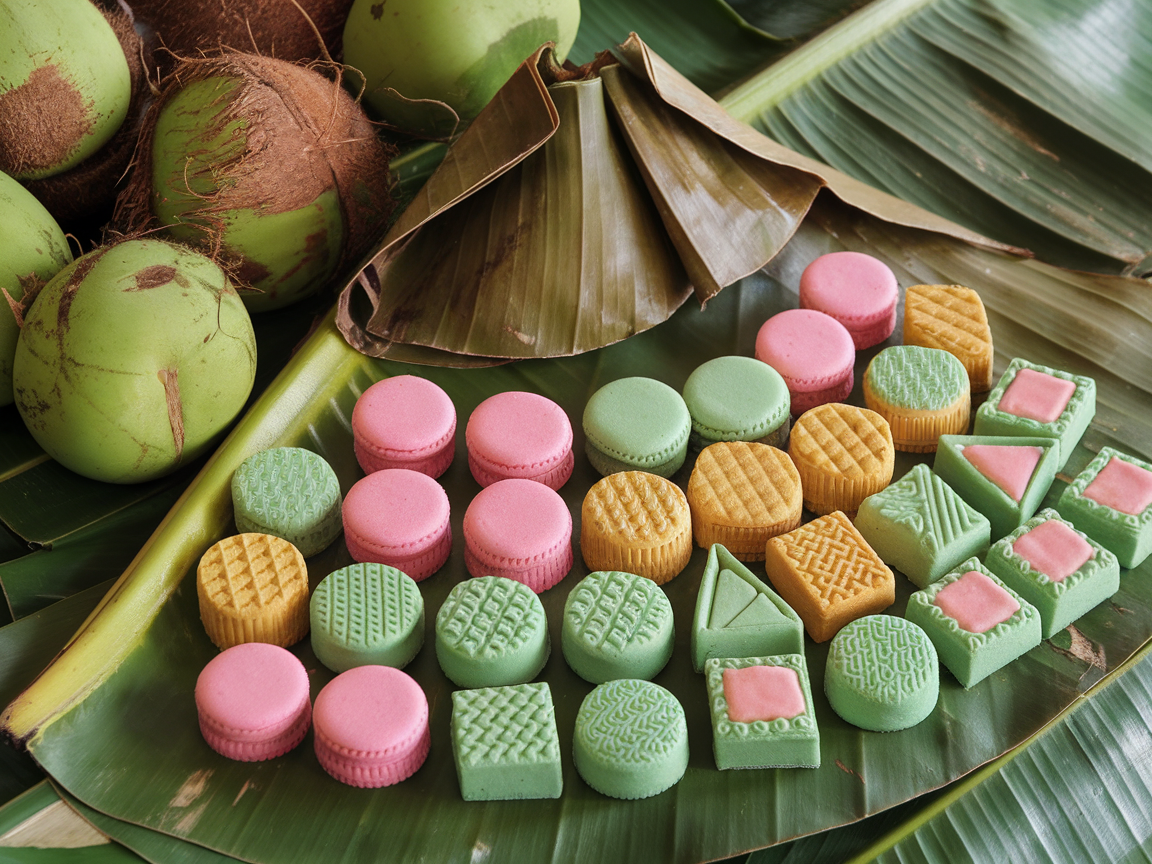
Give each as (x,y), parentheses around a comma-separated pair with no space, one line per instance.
(1026,121)
(39,828)
(126,679)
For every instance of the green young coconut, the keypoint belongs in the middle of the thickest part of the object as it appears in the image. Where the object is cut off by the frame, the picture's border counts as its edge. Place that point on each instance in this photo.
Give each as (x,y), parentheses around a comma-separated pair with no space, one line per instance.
(65,87)
(33,251)
(133,359)
(268,167)
(455,53)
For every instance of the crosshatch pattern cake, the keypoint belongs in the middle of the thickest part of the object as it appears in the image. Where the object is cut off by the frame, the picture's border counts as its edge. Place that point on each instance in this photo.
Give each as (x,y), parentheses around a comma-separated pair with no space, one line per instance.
(843,454)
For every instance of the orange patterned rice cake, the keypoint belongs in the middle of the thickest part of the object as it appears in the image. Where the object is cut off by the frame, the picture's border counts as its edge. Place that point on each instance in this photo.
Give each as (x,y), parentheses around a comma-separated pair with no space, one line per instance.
(843,454)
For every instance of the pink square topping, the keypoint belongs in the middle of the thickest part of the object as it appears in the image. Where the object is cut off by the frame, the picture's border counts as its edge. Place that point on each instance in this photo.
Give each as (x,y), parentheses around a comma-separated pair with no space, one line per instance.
(1037,396)
(1122,486)
(976,602)
(1054,549)
(762,693)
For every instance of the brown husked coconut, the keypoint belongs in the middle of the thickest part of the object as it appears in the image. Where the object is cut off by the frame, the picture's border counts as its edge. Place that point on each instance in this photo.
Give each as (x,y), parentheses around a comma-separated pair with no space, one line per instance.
(269,167)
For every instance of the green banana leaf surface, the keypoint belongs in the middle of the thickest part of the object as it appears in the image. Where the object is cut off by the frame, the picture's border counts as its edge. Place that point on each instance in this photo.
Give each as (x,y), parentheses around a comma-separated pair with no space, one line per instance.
(152,768)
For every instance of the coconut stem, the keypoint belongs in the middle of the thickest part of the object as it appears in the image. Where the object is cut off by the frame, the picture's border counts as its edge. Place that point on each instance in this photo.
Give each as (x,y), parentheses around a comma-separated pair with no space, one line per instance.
(168,378)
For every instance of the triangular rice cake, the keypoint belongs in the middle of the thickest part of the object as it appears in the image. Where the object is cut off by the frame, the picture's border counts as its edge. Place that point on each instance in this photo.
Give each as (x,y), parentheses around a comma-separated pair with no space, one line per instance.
(732,596)
(1009,466)
(757,613)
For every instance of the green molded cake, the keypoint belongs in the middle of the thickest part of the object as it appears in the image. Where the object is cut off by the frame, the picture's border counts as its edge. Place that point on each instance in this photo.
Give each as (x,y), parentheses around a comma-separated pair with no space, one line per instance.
(491,631)
(920,526)
(1111,501)
(923,393)
(290,493)
(737,399)
(366,614)
(977,623)
(631,739)
(738,615)
(762,713)
(1037,401)
(1003,477)
(505,744)
(1059,570)
(882,673)
(636,424)
(617,625)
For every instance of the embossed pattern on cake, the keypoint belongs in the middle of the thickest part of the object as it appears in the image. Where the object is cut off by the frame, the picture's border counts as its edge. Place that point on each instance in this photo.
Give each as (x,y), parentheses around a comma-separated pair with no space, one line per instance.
(253,588)
(740,494)
(829,574)
(920,526)
(952,318)
(843,454)
(636,522)
(505,743)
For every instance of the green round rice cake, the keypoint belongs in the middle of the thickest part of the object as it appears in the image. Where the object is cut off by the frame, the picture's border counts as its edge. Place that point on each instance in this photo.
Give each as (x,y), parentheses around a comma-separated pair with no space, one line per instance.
(737,399)
(290,493)
(636,424)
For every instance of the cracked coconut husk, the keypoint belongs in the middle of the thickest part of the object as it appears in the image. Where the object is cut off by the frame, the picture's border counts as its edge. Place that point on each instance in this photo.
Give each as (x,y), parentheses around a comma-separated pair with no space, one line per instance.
(293,134)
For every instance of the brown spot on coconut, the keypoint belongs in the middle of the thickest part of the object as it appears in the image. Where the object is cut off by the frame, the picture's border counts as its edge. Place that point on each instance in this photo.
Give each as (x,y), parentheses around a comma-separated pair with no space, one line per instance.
(42,122)
(269,167)
(153,277)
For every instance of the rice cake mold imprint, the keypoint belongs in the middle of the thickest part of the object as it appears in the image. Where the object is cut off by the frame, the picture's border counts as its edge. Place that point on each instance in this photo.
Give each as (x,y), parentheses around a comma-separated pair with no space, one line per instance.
(920,526)
(813,353)
(636,424)
(923,393)
(952,318)
(736,398)
(1060,570)
(737,615)
(858,290)
(291,493)
(505,744)
(491,632)
(404,422)
(636,522)
(972,652)
(1111,501)
(882,674)
(762,712)
(1002,476)
(826,571)
(617,625)
(742,493)
(1037,401)
(843,454)
(519,435)
(631,739)
(366,614)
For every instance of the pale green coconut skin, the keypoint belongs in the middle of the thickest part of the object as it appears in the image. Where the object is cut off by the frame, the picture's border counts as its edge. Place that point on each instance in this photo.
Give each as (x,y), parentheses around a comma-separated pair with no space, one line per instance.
(75,37)
(34,246)
(457,53)
(98,342)
(195,141)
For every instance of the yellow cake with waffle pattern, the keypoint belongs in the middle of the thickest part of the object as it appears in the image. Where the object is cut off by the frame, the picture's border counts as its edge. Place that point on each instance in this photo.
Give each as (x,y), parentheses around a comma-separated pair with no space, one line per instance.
(843,454)
(828,574)
(636,522)
(253,588)
(952,318)
(742,493)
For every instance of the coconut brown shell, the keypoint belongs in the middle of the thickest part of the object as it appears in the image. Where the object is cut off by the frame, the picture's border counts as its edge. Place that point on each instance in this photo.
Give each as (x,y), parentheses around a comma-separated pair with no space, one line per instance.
(305,135)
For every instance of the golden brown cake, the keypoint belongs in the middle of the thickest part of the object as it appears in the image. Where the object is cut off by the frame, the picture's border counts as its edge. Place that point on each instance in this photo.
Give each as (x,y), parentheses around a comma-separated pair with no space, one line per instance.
(253,588)
(951,317)
(843,454)
(636,522)
(741,494)
(828,574)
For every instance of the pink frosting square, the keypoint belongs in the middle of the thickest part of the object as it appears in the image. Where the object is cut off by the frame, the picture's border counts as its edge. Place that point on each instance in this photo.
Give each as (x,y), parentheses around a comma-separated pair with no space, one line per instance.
(976,602)
(1122,486)
(1037,396)
(1054,549)
(763,693)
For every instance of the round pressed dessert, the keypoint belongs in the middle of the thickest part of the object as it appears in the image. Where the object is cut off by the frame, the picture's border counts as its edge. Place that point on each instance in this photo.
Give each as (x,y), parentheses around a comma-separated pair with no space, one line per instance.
(252,702)
(371,726)
(522,436)
(519,529)
(491,632)
(398,517)
(857,290)
(404,422)
(812,352)
(923,393)
(737,399)
(843,454)
(636,424)
(291,493)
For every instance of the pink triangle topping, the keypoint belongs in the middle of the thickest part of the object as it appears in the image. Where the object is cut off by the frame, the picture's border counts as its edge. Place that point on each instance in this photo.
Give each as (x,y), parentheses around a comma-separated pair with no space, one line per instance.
(1009,466)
